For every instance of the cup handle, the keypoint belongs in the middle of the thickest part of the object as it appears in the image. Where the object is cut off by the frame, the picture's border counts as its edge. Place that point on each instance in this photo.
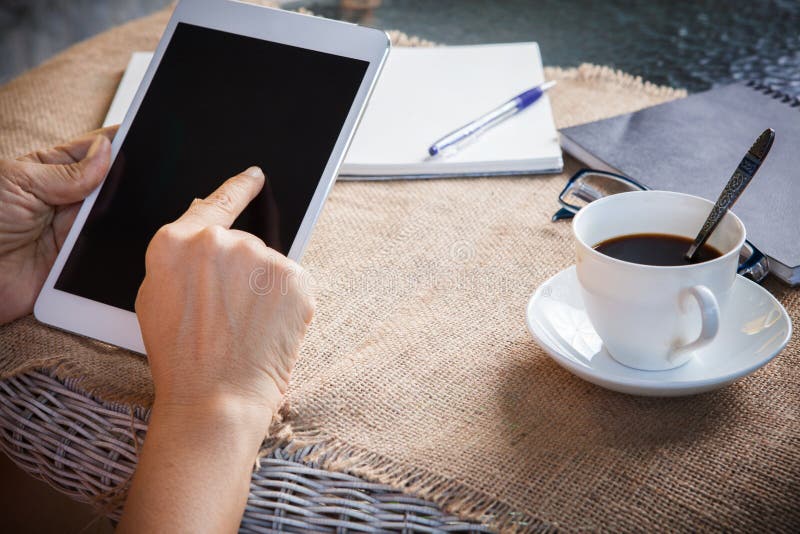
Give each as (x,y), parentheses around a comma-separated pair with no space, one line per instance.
(709,315)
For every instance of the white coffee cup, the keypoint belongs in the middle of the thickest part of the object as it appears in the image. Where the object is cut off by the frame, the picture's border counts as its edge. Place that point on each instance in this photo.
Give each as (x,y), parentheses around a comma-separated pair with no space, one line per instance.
(649,317)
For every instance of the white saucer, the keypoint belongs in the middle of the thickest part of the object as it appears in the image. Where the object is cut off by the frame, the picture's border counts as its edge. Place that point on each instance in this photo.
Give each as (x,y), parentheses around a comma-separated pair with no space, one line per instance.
(755,328)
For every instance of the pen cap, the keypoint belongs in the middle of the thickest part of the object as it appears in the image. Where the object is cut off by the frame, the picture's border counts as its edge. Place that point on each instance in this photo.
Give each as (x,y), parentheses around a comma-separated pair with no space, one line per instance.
(532,95)
(529,97)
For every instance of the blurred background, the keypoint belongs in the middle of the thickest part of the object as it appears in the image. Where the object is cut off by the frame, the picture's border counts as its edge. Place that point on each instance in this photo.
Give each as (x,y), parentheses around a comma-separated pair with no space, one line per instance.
(31,31)
(694,45)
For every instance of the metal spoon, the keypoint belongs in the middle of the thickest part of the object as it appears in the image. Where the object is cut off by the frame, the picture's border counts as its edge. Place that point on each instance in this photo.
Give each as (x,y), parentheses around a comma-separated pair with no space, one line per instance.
(733,189)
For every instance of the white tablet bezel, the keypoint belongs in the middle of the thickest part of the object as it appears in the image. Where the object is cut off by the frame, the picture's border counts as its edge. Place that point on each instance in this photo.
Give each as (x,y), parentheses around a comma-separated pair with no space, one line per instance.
(120,327)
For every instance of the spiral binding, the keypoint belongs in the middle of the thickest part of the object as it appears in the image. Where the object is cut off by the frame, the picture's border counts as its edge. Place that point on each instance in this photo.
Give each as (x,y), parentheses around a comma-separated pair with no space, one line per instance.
(775,93)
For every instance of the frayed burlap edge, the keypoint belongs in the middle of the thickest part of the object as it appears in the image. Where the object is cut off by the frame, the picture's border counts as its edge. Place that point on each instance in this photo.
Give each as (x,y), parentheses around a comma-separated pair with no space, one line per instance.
(592,72)
(65,369)
(333,454)
(106,373)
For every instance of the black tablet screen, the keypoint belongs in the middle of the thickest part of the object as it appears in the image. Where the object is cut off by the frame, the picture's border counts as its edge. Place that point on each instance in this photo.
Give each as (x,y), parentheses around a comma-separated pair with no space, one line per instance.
(218,103)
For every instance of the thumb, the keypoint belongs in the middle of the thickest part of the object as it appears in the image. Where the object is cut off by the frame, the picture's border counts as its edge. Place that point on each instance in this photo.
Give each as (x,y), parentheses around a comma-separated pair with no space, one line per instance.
(72,182)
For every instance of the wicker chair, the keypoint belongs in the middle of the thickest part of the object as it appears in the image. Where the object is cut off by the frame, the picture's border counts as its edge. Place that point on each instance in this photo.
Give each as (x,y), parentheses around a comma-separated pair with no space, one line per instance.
(88,449)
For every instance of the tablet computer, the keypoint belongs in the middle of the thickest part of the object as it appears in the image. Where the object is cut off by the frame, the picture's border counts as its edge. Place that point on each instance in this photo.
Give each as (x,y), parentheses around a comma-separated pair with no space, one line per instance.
(230,85)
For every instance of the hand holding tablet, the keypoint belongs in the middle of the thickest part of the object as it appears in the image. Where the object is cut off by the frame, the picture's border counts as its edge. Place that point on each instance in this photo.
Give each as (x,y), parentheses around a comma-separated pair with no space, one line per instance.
(40,194)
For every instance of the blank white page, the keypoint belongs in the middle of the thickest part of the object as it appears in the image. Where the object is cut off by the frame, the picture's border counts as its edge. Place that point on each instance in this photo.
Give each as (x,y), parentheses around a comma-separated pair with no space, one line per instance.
(425,93)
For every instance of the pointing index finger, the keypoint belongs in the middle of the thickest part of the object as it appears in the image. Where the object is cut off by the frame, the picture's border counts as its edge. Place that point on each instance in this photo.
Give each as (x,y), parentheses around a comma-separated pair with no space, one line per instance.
(226,203)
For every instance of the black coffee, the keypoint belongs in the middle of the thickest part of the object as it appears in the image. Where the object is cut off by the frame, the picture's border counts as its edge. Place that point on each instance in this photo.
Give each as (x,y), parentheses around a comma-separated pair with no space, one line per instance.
(655,249)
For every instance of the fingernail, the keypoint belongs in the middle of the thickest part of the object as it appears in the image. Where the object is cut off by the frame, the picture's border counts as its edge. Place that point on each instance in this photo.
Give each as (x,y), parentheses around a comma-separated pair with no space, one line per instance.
(255,172)
(95,146)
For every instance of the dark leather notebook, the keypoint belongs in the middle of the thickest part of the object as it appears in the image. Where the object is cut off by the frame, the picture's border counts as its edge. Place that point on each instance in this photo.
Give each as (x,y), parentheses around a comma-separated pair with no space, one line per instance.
(694,144)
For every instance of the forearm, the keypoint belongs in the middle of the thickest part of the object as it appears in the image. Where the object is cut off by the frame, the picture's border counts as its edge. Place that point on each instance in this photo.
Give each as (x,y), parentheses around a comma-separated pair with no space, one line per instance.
(194,470)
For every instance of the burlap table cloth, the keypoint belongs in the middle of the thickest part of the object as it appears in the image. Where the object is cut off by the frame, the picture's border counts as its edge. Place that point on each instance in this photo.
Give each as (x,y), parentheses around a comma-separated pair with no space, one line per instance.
(418,370)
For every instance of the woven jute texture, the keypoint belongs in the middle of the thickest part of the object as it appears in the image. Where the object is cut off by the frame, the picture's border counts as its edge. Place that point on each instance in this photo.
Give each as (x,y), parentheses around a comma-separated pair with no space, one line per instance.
(418,371)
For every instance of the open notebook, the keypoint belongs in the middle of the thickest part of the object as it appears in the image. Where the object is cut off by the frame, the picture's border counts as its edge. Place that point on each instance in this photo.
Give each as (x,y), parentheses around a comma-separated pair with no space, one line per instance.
(423,94)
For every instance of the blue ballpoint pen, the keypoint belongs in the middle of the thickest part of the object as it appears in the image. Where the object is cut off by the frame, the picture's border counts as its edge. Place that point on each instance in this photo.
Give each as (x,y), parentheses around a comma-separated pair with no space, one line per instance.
(494,117)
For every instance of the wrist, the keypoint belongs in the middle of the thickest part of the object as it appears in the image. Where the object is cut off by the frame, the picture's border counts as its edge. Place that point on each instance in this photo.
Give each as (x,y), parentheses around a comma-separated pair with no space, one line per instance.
(224,417)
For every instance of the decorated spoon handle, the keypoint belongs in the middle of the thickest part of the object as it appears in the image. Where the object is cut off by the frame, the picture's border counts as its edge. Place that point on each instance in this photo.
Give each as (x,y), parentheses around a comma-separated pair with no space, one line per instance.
(733,189)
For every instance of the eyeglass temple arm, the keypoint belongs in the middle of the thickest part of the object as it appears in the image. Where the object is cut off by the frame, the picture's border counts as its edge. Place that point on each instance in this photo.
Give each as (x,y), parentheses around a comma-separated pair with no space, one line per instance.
(586,193)
(756,266)
(582,192)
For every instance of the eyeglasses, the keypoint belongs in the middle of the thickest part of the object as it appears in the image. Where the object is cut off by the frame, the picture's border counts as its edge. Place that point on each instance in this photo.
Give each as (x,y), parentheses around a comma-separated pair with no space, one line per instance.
(588,185)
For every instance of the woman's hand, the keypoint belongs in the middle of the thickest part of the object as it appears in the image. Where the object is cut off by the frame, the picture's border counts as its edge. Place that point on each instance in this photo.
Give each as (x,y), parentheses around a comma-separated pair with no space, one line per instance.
(222,317)
(40,195)
(222,314)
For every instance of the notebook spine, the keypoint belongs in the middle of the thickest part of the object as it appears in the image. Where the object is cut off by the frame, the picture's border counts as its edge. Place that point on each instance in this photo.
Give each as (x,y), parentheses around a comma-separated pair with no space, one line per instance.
(769,90)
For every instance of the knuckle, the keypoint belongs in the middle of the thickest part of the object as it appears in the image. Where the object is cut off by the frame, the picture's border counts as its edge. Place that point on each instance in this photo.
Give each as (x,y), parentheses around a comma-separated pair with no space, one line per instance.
(224,198)
(281,266)
(251,248)
(272,256)
(71,172)
(295,278)
(150,256)
(168,232)
(167,235)
(296,272)
(164,240)
(211,237)
(138,303)
(309,307)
